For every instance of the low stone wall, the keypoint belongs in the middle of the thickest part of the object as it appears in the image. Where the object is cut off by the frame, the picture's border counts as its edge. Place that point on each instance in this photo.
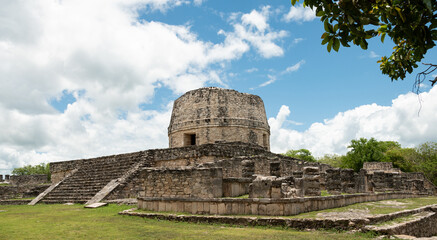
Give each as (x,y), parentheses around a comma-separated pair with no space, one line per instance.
(424,226)
(255,206)
(25,191)
(234,187)
(182,182)
(17,180)
(15,202)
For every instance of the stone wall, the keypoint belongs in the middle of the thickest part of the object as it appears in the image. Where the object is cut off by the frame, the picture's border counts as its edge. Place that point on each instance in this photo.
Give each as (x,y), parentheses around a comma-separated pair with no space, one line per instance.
(18,180)
(423,226)
(234,187)
(380,166)
(263,162)
(23,191)
(183,182)
(270,207)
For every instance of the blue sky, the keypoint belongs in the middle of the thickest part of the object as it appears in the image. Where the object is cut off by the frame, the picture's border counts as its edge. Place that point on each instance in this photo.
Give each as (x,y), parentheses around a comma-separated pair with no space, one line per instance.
(89,78)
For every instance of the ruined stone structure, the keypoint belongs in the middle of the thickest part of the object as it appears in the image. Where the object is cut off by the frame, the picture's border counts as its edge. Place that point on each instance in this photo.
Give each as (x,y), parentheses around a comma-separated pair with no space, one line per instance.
(23,186)
(211,115)
(219,147)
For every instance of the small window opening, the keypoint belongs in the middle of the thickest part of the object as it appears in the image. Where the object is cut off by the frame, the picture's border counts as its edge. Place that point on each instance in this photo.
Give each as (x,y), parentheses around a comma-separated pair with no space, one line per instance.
(189,139)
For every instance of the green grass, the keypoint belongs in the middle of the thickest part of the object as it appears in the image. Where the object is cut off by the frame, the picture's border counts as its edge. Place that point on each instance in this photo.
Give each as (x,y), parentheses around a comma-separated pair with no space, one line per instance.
(75,222)
(4,184)
(324,193)
(377,207)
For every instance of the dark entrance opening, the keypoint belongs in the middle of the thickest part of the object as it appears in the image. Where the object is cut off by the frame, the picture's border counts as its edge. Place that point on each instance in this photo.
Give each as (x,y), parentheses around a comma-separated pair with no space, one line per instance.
(189,139)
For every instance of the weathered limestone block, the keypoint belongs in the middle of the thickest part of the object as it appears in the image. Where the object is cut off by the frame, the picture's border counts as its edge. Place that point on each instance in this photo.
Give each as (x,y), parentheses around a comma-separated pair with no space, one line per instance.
(183,182)
(261,187)
(248,168)
(7,178)
(311,181)
(333,181)
(347,177)
(1,178)
(273,187)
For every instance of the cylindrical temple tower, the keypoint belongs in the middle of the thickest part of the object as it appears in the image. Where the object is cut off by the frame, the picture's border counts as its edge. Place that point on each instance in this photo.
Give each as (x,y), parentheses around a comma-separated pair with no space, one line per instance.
(210,115)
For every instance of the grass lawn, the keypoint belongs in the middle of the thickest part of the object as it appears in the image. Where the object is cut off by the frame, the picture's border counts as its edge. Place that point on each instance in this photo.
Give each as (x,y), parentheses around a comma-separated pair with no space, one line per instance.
(75,222)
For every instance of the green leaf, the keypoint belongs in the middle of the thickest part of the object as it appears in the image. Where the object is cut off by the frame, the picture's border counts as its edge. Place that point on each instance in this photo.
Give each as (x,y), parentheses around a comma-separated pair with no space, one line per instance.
(329,45)
(293,2)
(335,27)
(383,37)
(326,25)
(363,44)
(324,35)
(336,44)
(428,4)
(400,13)
(320,13)
(325,40)
(350,19)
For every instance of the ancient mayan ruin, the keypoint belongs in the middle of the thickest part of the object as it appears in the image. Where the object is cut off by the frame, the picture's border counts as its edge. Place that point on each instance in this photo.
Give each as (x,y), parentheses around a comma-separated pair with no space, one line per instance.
(219,150)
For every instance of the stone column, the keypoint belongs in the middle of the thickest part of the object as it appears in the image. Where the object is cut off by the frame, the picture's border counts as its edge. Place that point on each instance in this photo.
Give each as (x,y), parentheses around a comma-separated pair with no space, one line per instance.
(1,178)
(311,181)
(7,178)
(347,180)
(333,181)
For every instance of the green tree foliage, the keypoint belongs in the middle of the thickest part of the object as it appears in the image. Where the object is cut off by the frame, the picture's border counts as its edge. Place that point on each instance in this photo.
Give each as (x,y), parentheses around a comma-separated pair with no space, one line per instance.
(333,160)
(302,154)
(426,160)
(31,170)
(363,150)
(411,24)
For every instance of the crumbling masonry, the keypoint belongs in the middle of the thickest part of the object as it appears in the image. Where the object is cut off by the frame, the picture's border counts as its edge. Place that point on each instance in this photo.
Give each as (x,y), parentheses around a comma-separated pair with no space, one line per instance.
(219,147)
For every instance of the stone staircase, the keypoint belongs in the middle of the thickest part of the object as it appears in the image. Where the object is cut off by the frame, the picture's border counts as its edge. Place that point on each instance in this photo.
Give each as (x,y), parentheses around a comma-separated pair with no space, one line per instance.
(83,185)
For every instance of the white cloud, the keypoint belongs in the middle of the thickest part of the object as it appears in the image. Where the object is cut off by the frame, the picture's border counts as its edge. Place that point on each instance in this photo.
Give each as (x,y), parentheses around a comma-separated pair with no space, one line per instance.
(251,70)
(255,30)
(198,2)
(101,49)
(297,40)
(257,19)
(273,77)
(294,68)
(398,122)
(372,54)
(300,14)
(271,80)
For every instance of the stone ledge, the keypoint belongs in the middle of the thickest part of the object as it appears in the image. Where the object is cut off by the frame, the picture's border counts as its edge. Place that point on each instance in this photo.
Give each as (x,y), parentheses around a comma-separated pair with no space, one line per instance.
(340,224)
(276,200)
(15,202)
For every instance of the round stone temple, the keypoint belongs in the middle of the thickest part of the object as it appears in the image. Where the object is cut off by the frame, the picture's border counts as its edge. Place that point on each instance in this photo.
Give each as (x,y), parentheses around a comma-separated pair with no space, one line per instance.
(211,115)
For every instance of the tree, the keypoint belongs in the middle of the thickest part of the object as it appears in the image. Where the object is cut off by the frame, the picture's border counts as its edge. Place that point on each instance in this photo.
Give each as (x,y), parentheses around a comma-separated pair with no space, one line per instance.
(411,24)
(426,161)
(302,154)
(31,170)
(333,160)
(363,150)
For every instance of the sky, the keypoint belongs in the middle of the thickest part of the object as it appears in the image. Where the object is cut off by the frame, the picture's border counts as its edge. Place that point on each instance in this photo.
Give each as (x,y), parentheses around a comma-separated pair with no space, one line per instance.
(82,79)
